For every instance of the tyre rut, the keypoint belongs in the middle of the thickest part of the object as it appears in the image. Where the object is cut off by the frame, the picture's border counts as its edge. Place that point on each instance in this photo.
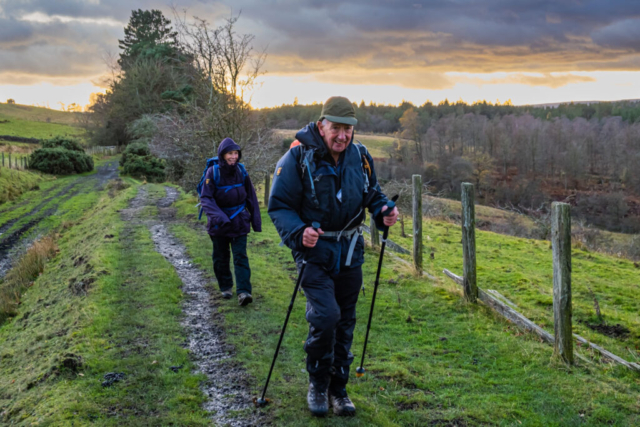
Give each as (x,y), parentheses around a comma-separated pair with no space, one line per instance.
(20,239)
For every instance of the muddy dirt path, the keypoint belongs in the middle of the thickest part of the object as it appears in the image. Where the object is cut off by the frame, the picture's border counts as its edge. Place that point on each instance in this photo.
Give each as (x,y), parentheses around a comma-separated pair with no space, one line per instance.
(229,397)
(14,242)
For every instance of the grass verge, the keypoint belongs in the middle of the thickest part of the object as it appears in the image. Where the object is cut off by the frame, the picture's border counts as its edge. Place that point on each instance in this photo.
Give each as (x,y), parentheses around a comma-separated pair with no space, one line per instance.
(107,303)
(22,275)
(13,183)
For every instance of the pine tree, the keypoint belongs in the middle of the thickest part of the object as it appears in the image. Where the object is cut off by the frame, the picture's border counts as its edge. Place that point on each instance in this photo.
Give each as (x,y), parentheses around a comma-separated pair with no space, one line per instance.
(146,29)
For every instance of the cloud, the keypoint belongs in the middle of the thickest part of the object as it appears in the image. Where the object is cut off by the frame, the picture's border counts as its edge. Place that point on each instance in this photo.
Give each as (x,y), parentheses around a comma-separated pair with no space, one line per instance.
(550,80)
(486,36)
(416,79)
(410,43)
(65,40)
(621,34)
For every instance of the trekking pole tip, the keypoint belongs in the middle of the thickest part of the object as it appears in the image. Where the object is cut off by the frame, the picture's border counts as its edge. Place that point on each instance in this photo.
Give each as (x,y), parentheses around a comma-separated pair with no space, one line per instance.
(359,372)
(260,402)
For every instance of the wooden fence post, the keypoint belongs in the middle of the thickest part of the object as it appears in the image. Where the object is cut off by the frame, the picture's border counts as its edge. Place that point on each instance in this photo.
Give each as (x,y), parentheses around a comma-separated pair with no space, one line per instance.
(3,159)
(9,160)
(417,223)
(561,243)
(375,235)
(267,190)
(470,285)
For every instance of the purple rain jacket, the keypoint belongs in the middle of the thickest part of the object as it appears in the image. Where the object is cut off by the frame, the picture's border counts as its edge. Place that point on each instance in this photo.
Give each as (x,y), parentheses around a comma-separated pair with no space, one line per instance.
(219,205)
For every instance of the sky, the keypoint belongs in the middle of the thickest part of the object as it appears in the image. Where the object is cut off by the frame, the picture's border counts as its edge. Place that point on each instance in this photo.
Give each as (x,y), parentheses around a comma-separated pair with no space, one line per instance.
(57,52)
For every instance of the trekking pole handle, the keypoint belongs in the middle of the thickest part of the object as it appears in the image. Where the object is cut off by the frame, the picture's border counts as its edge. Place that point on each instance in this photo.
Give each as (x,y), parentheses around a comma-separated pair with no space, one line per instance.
(391,204)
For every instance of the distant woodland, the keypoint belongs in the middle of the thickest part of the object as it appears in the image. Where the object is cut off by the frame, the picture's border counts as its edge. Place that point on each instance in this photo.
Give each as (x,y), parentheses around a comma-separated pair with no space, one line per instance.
(520,157)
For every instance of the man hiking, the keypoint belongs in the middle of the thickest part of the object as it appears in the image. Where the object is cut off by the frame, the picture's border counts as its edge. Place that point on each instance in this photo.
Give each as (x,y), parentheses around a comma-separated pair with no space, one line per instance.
(331,180)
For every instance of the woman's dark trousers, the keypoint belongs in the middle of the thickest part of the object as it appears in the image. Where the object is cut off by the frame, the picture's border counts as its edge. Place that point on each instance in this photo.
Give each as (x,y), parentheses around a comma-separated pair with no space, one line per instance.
(221,258)
(331,313)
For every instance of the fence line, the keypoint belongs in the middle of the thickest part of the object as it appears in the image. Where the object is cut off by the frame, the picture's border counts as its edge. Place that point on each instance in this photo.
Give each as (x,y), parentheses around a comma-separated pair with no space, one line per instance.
(561,243)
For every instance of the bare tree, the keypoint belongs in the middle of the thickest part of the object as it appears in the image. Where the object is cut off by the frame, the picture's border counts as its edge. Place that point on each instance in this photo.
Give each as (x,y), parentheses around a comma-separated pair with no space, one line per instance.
(229,65)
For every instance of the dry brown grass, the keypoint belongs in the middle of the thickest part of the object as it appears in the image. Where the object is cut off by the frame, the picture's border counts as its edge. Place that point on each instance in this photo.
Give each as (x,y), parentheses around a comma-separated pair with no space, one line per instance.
(15,148)
(22,275)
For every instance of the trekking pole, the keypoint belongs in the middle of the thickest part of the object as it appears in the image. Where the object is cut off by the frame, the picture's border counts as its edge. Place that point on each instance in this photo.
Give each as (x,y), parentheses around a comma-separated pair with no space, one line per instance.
(260,402)
(390,205)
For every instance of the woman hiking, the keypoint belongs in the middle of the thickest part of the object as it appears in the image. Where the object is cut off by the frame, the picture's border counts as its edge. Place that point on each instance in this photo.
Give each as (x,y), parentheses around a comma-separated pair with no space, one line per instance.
(230,202)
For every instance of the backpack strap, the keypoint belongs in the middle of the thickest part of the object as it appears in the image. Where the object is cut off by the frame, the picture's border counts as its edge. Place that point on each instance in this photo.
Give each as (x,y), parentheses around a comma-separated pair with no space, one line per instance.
(364,163)
(227,188)
(305,164)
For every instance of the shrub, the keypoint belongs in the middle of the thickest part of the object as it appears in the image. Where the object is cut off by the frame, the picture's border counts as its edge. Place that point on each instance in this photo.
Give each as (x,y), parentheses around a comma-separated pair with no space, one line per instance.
(135,149)
(60,161)
(149,167)
(62,142)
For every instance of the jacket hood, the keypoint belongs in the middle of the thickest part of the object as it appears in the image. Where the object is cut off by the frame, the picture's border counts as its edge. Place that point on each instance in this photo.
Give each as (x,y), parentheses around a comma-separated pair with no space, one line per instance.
(227,145)
(310,138)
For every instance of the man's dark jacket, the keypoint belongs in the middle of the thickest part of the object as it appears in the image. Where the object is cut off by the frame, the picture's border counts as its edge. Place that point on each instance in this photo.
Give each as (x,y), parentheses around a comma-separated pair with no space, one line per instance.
(292,207)
(220,204)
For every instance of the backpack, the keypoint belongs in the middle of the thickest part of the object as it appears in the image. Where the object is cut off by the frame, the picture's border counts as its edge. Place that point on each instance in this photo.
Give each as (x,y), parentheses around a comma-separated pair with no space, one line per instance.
(306,158)
(216,179)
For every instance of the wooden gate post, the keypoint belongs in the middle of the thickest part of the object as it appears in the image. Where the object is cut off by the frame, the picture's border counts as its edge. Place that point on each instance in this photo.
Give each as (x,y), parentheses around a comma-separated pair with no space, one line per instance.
(470,285)
(561,244)
(375,235)
(267,190)
(417,223)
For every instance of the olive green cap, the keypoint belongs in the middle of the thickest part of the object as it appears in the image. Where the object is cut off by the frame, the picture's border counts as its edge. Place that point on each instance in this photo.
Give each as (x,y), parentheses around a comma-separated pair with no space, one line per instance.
(339,109)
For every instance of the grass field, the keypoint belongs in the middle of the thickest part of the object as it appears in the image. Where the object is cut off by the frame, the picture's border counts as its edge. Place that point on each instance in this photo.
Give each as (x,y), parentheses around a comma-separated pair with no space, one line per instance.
(511,223)
(378,145)
(521,269)
(36,114)
(39,130)
(37,122)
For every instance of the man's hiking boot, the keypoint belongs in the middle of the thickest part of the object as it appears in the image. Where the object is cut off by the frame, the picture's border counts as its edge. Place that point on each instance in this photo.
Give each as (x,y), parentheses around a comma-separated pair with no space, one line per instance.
(227,294)
(342,405)
(317,401)
(244,299)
